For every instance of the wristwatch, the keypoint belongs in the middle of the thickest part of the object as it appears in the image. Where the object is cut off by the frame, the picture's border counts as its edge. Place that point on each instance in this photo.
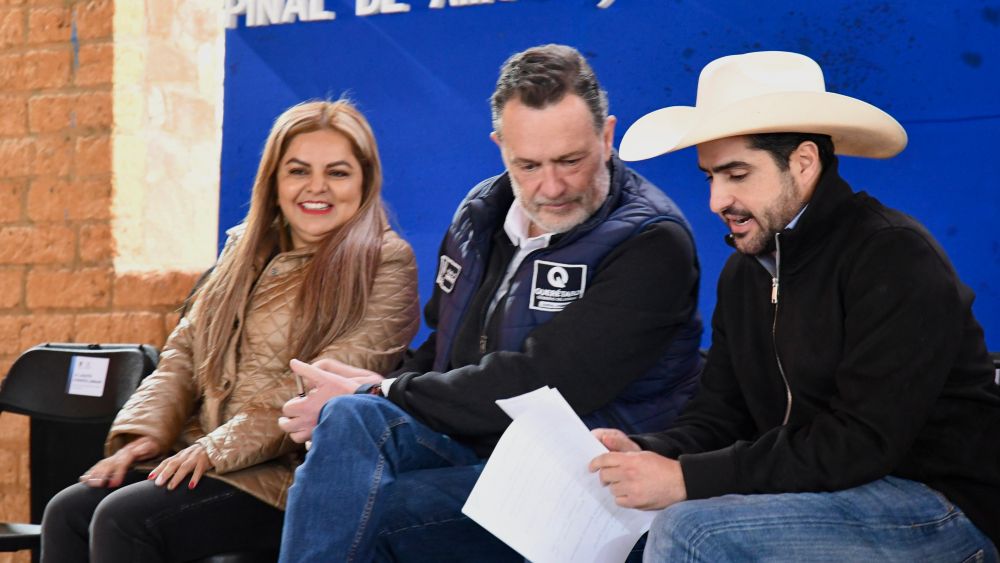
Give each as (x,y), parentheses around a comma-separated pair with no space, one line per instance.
(370,389)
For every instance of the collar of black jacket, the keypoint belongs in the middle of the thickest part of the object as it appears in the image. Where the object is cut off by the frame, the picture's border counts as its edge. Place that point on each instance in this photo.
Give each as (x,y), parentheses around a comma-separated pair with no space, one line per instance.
(822,216)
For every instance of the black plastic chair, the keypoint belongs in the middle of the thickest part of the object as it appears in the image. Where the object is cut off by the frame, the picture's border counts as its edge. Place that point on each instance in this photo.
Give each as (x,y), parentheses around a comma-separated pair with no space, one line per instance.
(996,366)
(68,422)
(242,557)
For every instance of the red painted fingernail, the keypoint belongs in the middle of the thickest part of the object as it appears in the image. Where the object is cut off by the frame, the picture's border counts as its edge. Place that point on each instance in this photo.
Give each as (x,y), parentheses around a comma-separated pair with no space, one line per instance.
(191,485)
(151,476)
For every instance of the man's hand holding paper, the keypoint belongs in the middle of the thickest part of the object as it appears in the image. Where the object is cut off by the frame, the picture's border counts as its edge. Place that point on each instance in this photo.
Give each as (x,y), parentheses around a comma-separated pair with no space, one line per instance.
(637,479)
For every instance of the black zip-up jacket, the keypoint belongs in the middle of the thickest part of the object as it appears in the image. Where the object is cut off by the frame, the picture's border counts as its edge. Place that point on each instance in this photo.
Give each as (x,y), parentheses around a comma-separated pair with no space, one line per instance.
(872,336)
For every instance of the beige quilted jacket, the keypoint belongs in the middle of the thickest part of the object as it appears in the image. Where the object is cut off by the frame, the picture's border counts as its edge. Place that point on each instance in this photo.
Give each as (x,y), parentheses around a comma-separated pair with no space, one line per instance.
(236,419)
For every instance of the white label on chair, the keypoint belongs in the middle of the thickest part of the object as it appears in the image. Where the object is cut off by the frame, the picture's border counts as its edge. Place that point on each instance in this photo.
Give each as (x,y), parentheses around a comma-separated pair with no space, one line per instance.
(87,375)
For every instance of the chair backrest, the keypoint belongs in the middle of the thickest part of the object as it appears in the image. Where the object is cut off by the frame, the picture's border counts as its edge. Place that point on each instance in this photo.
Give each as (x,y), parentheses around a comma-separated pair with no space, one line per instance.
(75,382)
(71,392)
(996,366)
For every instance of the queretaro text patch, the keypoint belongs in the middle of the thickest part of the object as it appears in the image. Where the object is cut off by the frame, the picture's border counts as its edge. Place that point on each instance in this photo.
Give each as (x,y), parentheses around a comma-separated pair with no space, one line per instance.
(448,271)
(555,285)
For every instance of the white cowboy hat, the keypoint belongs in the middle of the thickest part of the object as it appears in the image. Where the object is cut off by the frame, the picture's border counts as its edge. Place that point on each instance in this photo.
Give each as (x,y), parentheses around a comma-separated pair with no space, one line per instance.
(765,92)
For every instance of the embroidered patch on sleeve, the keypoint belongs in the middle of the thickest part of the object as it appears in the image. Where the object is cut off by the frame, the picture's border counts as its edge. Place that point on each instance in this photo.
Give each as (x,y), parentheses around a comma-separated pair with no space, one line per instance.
(448,272)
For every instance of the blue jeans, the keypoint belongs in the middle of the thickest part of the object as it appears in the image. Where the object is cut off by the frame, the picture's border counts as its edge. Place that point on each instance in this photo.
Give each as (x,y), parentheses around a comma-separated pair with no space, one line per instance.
(370,467)
(423,521)
(891,519)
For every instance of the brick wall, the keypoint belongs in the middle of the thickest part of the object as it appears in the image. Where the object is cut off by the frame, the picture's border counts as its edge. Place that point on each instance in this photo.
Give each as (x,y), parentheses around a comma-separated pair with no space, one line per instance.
(57,250)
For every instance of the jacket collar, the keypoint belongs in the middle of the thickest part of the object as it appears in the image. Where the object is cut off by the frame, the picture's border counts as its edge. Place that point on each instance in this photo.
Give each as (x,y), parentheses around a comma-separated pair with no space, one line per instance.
(820,218)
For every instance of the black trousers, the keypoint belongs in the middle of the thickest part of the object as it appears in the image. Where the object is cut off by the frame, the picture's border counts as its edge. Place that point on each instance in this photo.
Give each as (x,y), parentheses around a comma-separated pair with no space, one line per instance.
(140,522)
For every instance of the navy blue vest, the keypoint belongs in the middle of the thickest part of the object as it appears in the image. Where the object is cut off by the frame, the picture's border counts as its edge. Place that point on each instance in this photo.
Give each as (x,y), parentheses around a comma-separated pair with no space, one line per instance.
(650,402)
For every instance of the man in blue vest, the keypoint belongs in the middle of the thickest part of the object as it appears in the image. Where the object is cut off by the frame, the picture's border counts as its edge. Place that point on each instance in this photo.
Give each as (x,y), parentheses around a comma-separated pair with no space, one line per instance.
(568,270)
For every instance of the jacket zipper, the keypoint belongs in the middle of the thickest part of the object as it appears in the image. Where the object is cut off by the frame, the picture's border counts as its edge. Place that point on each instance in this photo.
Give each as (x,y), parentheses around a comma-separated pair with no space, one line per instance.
(484,339)
(774,325)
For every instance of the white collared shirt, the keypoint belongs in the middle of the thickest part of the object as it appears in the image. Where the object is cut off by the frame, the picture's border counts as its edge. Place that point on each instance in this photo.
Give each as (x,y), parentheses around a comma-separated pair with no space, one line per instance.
(516,225)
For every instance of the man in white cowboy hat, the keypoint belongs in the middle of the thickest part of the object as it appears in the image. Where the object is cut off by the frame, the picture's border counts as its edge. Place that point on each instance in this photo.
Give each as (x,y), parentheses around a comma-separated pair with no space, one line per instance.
(847,410)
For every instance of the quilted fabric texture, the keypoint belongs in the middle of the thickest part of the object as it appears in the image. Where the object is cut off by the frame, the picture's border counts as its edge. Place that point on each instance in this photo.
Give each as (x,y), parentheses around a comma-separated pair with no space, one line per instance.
(235,419)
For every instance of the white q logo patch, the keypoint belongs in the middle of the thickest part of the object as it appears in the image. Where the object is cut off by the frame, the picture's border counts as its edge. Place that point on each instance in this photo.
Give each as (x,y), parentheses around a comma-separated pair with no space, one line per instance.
(558,276)
(555,285)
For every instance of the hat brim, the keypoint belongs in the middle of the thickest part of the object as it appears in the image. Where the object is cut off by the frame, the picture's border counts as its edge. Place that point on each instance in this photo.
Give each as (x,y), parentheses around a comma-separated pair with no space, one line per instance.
(857,128)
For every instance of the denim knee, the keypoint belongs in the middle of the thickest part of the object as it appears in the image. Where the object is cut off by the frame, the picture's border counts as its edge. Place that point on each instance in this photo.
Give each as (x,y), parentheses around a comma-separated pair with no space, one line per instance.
(69,511)
(66,524)
(683,528)
(349,417)
(346,409)
(117,513)
(898,522)
(68,503)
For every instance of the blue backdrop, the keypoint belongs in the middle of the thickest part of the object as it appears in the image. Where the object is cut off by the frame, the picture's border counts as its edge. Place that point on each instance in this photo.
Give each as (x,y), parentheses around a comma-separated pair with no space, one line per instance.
(423,79)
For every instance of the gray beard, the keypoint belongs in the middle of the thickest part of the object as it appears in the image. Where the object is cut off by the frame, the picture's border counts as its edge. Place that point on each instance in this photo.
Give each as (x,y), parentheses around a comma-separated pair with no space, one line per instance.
(600,184)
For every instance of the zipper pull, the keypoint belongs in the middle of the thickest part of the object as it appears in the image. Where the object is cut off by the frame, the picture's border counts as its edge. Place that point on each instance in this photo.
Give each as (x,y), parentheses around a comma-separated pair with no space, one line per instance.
(482,344)
(774,290)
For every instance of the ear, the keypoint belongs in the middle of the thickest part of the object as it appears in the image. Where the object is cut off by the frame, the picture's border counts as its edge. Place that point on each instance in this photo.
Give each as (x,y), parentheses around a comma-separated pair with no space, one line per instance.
(608,134)
(498,140)
(804,164)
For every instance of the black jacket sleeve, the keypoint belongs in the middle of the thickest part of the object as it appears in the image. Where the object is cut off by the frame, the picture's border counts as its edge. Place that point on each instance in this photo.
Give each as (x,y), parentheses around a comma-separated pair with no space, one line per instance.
(641,293)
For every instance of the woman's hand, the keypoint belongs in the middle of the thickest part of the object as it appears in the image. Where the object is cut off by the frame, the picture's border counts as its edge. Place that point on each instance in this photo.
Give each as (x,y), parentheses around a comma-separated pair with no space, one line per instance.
(192,460)
(110,471)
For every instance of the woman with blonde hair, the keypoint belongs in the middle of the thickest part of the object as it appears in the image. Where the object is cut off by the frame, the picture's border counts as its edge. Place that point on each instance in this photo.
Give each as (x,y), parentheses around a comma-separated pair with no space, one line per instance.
(313,272)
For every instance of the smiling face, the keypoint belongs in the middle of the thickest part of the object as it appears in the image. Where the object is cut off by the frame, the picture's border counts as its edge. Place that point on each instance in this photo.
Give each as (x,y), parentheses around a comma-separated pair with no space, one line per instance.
(751,194)
(319,185)
(557,161)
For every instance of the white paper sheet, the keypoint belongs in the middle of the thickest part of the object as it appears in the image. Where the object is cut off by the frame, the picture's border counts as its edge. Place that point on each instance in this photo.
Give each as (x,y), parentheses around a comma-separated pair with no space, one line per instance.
(537,495)
(87,375)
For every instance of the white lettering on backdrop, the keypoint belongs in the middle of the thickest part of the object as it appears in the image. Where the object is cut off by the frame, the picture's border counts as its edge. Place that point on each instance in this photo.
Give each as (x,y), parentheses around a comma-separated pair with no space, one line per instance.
(271,12)
(372,7)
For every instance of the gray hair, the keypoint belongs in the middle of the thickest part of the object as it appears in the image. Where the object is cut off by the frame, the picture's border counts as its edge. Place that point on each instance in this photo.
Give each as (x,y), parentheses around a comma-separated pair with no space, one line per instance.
(543,75)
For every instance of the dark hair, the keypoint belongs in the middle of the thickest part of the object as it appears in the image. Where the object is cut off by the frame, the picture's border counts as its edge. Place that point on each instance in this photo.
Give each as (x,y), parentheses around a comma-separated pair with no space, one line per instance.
(781,145)
(543,75)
